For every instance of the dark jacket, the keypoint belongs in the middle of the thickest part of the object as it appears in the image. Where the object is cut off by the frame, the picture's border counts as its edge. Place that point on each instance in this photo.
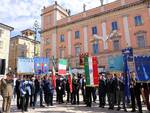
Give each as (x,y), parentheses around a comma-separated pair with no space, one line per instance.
(47,86)
(67,86)
(17,87)
(111,86)
(102,88)
(37,85)
(119,85)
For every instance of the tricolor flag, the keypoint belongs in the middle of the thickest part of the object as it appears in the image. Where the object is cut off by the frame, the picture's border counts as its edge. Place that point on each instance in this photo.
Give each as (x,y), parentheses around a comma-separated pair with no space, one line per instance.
(70,79)
(54,77)
(91,71)
(62,67)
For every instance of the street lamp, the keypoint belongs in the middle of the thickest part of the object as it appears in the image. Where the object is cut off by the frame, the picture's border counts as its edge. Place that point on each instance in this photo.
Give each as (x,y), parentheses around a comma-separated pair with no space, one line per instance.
(36,28)
(102,2)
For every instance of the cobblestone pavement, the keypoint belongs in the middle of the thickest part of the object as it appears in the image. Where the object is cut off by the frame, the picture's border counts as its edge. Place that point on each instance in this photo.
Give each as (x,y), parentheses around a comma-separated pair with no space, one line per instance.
(67,108)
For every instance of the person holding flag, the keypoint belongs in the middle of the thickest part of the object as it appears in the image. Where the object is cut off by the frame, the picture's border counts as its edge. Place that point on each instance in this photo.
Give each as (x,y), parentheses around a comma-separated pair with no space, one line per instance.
(91,73)
(54,78)
(69,84)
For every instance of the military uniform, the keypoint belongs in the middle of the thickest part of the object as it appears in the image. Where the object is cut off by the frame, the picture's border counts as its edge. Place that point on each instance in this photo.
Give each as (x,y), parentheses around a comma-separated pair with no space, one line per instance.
(7,93)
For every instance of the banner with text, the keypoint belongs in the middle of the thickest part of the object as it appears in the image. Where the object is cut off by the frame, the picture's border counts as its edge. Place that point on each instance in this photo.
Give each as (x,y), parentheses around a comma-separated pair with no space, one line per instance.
(25,65)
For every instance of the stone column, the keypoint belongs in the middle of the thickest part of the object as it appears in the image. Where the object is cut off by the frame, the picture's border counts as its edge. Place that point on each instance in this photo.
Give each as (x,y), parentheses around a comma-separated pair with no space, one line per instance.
(126,31)
(85,32)
(54,44)
(104,35)
(69,42)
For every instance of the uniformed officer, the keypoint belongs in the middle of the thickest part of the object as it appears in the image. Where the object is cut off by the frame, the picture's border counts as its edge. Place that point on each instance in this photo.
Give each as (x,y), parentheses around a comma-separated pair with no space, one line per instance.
(7,92)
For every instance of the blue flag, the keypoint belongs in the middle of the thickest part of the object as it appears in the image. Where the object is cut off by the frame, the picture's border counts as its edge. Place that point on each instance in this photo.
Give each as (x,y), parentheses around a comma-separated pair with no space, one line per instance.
(142,67)
(41,65)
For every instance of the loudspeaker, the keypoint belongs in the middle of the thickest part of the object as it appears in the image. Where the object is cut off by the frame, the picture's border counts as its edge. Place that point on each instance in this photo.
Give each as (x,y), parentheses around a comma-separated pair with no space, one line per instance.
(2,66)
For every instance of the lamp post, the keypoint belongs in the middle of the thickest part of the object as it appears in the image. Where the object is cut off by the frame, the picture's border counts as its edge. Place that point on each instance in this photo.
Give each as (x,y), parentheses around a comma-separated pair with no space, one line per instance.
(36,28)
(102,2)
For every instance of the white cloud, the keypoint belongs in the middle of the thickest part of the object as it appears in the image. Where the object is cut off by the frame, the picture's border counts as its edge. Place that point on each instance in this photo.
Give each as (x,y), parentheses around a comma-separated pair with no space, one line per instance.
(21,14)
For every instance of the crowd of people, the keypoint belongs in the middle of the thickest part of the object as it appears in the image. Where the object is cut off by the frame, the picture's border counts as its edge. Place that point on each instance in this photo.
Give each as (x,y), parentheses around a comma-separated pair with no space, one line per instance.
(111,90)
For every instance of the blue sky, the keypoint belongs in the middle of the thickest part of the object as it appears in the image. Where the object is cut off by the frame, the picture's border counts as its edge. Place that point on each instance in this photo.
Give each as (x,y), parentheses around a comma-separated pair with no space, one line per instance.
(21,14)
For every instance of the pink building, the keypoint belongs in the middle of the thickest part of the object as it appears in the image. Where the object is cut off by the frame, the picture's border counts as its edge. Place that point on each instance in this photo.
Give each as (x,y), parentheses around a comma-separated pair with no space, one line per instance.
(102,31)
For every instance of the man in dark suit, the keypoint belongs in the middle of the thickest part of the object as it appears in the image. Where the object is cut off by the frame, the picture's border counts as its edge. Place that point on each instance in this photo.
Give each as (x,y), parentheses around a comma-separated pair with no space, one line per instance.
(102,91)
(17,91)
(38,90)
(57,87)
(68,91)
(135,88)
(89,96)
(111,91)
(120,92)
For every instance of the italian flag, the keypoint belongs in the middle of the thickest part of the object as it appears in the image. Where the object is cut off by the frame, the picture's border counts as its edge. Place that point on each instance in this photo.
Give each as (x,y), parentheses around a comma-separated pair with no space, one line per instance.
(70,79)
(54,77)
(62,67)
(91,71)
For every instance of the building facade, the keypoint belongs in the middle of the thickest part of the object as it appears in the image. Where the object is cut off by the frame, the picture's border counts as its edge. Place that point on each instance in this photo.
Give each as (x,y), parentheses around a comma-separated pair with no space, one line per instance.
(102,31)
(23,46)
(5,32)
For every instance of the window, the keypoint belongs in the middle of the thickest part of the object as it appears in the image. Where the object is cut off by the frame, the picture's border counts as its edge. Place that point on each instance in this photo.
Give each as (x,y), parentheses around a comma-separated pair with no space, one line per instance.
(77,34)
(141,41)
(138,20)
(116,44)
(77,51)
(62,38)
(1,44)
(94,30)
(95,48)
(61,53)
(114,25)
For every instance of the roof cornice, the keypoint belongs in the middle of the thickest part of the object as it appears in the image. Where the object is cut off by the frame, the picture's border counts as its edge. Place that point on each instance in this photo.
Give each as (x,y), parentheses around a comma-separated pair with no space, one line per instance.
(6,26)
(96,15)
